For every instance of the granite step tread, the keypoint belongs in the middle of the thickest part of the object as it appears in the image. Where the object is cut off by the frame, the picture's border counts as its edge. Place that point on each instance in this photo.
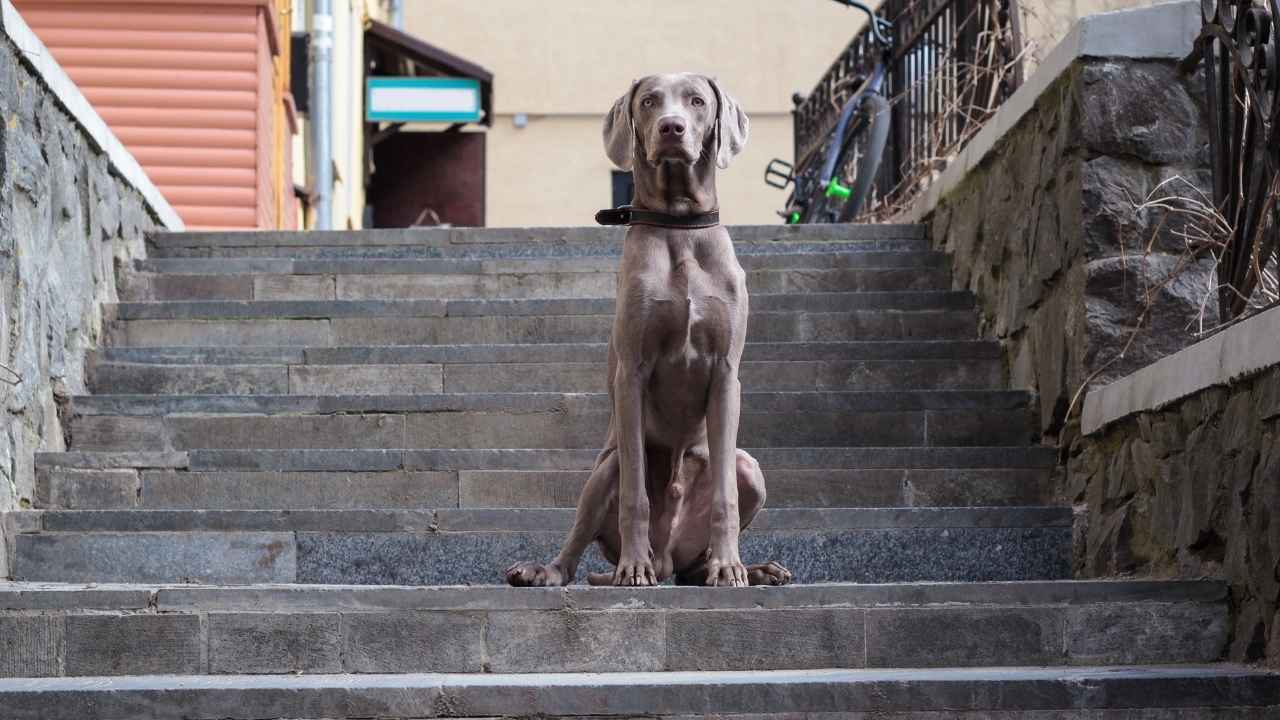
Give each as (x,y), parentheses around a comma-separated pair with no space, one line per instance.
(445,459)
(922,300)
(474,547)
(1186,692)
(898,351)
(523,520)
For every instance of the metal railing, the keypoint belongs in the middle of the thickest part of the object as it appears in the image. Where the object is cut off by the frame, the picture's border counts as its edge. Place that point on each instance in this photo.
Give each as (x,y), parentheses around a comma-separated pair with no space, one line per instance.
(953,63)
(1238,52)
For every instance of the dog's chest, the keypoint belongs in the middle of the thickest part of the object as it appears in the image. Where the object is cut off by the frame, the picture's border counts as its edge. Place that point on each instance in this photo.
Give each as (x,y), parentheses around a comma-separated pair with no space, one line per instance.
(693,312)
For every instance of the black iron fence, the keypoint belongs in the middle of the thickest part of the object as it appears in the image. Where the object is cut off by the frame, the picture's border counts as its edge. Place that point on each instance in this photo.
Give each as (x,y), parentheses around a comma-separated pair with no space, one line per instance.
(1238,50)
(953,63)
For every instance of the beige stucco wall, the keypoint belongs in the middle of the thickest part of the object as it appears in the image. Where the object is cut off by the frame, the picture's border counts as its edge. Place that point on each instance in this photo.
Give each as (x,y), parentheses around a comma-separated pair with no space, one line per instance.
(564,62)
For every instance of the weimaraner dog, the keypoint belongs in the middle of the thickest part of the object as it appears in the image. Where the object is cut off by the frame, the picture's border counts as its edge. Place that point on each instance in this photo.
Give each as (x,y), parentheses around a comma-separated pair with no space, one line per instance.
(671,492)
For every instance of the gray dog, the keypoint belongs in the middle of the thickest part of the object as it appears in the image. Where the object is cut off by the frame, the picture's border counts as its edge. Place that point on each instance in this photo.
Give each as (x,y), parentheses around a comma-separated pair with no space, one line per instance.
(670,492)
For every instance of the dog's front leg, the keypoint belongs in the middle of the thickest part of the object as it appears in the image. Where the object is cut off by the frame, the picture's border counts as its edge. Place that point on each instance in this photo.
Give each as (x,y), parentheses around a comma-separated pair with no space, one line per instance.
(635,560)
(724,564)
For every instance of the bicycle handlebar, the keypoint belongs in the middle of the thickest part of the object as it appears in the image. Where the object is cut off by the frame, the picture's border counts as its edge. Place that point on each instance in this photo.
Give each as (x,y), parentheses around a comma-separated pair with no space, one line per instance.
(878,24)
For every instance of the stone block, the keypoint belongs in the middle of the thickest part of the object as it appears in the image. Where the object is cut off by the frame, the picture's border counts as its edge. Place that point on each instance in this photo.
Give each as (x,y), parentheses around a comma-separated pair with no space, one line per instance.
(274,642)
(294,287)
(86,489)
(133,645)
(288,431)
(519,489)
(208,557)
(417,642)
(201,287)
(31,646)
(365,379)
(1144,634)
(765,639)
(571,641)
(946,637)
(267,490)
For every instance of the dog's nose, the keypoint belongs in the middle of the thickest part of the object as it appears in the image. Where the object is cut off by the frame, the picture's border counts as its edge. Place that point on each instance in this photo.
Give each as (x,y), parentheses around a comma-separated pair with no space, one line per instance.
(671,126)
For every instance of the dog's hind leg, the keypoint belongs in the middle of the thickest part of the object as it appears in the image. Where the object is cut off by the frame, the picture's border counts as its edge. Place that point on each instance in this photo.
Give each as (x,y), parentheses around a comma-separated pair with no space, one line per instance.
(598,497)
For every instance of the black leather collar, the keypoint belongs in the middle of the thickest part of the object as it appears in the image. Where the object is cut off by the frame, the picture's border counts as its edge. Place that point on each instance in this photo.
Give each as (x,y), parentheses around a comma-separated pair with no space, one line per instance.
(627,215)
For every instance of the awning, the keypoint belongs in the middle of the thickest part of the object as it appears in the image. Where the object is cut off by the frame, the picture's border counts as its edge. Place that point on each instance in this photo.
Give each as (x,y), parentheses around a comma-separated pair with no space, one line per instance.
(395,53)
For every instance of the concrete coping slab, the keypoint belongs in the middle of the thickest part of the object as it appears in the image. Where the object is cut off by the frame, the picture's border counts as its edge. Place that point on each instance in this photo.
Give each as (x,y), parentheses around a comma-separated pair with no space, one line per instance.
(1162,32)
(68,95)
(1241,350)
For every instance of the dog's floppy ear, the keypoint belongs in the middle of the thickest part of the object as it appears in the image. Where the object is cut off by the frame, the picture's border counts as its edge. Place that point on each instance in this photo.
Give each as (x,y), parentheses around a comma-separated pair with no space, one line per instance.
(732,126)
(619,130)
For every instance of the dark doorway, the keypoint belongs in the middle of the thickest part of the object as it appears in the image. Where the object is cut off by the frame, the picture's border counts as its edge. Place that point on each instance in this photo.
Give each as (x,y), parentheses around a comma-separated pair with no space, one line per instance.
(428,178)
(623,187)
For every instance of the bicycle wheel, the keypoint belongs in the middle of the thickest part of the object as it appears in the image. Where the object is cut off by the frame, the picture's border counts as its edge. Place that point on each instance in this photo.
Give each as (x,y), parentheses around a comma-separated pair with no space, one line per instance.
(867,151)
(860,149)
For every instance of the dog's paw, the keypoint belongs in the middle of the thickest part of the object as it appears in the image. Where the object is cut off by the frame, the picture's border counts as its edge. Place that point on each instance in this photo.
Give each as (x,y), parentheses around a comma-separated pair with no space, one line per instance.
(770,573)
(532,574)
(725,569)
(635,573)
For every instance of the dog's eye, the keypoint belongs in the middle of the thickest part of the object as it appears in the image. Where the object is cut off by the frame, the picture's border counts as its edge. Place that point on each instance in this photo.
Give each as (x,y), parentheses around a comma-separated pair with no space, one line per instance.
(698,102)
(647,102)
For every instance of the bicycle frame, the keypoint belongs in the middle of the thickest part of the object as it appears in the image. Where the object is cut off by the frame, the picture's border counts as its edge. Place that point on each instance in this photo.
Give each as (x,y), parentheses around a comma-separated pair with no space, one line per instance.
(828,176)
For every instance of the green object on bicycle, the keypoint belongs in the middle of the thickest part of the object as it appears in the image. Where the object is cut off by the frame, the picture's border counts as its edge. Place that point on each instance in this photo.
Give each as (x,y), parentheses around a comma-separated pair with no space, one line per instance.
(836,190)
(793,218)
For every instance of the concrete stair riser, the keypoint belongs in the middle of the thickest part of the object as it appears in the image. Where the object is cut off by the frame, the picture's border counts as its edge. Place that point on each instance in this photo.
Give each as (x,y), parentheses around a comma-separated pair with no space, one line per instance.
(386,286)
(452,630)
(484,330)
(574,377)
(125,488)
(545,420)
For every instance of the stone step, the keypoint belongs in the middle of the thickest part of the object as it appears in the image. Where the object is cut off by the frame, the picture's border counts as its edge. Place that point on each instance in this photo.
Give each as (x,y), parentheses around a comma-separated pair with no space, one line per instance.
(1184,692)
(517,242)
(318,373)
(392,280)
(277,630)
(456,546)
(827,302)
(925,418)
(126,488)
(432,327)
(319,460)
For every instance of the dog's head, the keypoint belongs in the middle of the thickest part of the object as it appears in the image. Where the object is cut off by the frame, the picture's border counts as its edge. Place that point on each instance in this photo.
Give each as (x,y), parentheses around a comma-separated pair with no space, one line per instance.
(682,118)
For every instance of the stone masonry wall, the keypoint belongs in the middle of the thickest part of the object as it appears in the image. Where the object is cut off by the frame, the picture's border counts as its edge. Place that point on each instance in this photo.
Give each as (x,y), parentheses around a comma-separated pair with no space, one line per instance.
(1192,490)
(1045,233)
(68,227)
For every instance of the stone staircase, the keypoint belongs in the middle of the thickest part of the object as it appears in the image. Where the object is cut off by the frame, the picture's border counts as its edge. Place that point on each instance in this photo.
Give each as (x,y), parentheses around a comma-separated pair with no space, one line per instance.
(302,447)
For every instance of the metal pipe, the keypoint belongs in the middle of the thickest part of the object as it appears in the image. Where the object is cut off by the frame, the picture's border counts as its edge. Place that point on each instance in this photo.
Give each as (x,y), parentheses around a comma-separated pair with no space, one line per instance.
(322,112)
(397,14)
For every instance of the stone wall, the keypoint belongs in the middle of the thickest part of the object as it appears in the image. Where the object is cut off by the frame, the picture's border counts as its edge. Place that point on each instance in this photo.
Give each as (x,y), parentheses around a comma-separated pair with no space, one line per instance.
(1192,490)
(69,225)
(1044,229)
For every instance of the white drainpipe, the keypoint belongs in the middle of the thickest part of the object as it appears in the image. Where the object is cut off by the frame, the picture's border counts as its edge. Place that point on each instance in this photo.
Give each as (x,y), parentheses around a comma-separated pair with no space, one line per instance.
(322,112)
(397,14)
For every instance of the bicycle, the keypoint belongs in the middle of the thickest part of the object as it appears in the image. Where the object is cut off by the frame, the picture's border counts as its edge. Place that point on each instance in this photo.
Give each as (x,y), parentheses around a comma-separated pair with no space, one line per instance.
(858,139)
